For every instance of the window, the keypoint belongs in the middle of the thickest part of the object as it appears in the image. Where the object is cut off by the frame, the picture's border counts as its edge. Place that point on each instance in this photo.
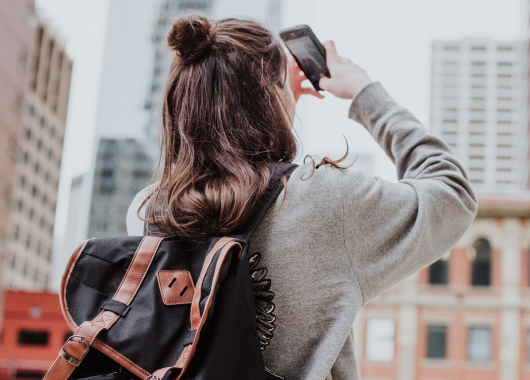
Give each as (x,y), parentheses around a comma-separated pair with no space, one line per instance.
(29,375)
(438,273)
(35,338)
(436,341)
(107,173)
(481,263)
(479,345)
(380,340)
(528,346)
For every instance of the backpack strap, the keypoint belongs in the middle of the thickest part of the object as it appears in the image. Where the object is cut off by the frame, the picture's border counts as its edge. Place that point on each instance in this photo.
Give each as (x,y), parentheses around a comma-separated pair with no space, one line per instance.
(77,346)
(265,201)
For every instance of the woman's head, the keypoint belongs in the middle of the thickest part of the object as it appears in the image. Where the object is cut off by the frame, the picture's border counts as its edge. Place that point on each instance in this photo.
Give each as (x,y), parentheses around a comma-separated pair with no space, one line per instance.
(227,112)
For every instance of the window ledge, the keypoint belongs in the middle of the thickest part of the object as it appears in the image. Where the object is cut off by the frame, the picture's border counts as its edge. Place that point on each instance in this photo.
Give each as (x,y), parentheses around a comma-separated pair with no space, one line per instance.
(480,365)
(436,363)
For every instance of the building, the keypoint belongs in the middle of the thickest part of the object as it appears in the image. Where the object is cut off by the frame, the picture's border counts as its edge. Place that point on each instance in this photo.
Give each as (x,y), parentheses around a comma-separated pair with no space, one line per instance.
(126,69)
(478,106)
(122,169)
(76,228)
(16,36)
(33,333)
(467,316)
(97,210)
(28,248)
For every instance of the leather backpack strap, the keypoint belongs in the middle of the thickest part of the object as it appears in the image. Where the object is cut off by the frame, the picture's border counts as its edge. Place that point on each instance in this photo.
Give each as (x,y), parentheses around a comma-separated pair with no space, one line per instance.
(76,347)
(225,244)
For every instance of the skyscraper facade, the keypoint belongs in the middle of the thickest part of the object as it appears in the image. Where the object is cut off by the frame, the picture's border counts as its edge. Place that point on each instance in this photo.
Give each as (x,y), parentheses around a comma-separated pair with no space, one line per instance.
(28,249)
(477,107)
(16,35)
(122,169)
(121,117)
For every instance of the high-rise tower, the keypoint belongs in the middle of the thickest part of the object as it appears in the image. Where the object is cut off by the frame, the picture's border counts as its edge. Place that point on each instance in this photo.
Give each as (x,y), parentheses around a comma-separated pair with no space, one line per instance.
(17,19)
(28,250)
(476,107)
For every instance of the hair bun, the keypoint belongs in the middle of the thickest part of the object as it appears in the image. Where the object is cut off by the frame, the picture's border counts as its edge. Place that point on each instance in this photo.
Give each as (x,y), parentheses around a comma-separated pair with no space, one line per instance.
(190,37)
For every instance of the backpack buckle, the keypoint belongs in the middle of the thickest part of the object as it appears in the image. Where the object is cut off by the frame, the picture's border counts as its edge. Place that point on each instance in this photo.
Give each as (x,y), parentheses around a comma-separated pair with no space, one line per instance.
(73,361)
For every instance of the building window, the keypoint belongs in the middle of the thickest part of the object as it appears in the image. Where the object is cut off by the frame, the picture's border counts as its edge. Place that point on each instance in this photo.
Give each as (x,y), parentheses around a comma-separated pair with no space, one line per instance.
(436,341)
(528,346)
(479,345)
(34,338)
(29,375)
(439,271)
(380,340)
(481,270)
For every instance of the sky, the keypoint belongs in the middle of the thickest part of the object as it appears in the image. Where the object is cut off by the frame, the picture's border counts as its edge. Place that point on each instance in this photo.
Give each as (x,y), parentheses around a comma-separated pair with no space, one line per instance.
(390,39)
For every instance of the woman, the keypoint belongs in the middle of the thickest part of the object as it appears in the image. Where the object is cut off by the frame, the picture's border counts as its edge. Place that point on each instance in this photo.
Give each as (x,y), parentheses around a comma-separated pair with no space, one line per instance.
(335,238)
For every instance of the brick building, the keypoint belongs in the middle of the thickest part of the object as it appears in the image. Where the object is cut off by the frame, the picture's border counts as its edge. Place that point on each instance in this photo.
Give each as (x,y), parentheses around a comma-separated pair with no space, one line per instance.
(33,333)
(467,316)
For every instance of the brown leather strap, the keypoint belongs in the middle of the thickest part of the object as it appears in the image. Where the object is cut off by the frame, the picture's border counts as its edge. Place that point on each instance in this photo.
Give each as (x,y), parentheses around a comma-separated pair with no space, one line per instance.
(184,359)
(78,345)
(195,316)
(137,270)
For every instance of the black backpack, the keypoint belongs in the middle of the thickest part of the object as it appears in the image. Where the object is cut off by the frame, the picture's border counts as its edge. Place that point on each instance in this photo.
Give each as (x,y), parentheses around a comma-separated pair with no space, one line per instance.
(161,308)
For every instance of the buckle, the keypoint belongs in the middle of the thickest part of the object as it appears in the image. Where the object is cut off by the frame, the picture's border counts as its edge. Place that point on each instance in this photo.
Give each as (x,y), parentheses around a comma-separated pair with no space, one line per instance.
(73,361)
(152,377)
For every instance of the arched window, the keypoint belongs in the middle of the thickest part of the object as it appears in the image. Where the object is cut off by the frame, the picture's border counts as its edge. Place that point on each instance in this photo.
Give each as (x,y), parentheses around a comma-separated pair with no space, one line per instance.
(481,272)
(439,271)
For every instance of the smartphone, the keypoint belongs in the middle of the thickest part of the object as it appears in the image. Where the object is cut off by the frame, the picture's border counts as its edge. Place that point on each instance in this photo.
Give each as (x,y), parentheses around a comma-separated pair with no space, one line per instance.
(308,52)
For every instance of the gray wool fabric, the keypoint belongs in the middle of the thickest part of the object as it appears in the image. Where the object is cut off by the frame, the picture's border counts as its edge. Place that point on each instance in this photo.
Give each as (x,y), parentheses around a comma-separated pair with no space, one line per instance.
(343,238)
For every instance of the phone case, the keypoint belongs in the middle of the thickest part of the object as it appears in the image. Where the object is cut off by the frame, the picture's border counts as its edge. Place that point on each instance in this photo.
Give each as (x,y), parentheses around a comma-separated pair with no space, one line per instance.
(300,31)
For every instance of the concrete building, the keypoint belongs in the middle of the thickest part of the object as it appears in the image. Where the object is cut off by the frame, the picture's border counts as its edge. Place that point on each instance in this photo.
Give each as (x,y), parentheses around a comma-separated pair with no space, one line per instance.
(122,169)
(28,248)
(467,316)
(17,20)
(478,106)
(121,117)
(76,228)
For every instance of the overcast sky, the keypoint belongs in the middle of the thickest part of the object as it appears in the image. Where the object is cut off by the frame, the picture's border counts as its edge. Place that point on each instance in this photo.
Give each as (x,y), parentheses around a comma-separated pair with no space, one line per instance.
(391,39)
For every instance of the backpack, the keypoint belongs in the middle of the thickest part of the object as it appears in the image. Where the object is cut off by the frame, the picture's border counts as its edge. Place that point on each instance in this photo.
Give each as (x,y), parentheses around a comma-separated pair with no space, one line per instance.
(158,308)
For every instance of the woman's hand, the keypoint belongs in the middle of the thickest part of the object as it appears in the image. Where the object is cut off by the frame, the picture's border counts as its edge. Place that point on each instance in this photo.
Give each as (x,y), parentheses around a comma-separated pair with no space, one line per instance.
(296,77)
(347,79)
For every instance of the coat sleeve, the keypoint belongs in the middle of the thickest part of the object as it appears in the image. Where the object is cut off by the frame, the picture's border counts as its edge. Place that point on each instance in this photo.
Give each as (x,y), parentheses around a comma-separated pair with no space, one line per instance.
(392,230)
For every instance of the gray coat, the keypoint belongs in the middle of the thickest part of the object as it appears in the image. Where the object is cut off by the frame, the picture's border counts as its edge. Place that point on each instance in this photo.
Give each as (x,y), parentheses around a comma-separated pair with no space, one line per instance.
(343,238)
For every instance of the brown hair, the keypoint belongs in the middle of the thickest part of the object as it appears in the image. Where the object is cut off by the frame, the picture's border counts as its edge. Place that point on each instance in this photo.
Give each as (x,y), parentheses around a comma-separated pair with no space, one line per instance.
(223,121)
